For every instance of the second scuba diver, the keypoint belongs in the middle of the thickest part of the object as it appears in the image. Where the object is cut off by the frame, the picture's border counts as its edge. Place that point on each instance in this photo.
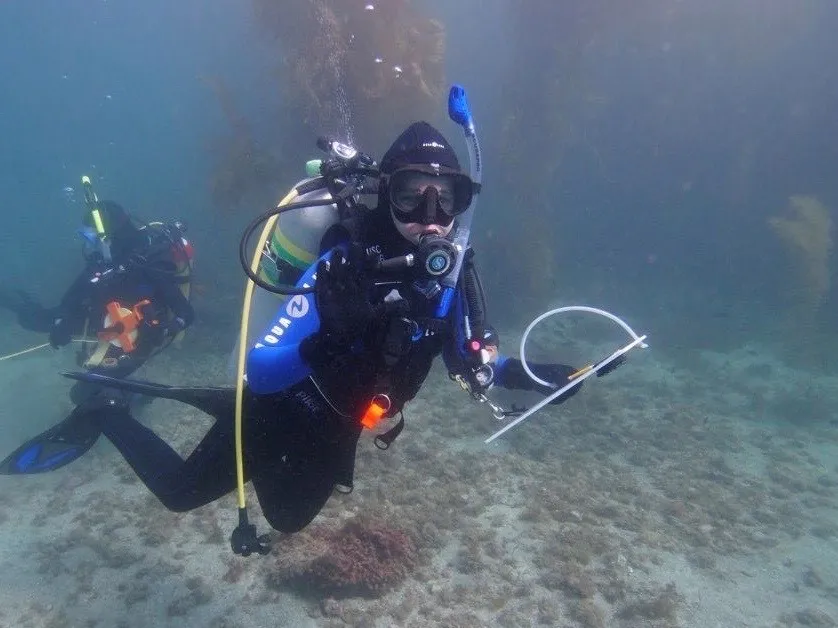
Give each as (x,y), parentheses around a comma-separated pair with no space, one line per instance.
(371,334)
(129,300)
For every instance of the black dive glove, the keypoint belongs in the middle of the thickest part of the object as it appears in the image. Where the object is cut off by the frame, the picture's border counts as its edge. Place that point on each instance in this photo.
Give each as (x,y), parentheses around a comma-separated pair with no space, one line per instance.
(60,333)
(342,295)
(514,376)
(175,326)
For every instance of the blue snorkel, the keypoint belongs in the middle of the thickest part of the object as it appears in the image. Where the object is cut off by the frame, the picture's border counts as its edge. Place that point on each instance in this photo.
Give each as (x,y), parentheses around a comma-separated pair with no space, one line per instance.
(460,112)
(102,244)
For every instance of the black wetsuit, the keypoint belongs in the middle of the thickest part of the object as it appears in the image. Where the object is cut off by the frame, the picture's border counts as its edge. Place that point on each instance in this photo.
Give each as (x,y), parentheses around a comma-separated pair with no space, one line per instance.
(82,308)
(85,302)
(299,444)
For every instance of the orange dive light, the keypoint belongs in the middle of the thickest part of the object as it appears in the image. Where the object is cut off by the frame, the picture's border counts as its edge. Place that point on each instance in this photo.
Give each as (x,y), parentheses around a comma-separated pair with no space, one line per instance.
(378,407)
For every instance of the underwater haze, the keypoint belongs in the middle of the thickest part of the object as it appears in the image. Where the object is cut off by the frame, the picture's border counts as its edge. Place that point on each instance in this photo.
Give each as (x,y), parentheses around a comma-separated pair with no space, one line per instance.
(672,162)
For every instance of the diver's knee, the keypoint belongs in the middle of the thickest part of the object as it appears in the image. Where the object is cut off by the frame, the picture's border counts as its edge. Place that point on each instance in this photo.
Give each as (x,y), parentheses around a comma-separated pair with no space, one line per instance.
(88,394)
(290,517)
(287,525)
(83,392)
(178,502)
(179,507)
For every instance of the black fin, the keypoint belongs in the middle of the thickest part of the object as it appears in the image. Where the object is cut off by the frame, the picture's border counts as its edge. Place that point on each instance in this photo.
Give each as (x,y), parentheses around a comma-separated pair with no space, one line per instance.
(216,401)
(59,445)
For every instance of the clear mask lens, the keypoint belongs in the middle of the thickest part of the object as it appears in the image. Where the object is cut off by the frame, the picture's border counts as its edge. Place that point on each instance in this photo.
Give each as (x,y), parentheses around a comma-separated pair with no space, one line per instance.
(410,190)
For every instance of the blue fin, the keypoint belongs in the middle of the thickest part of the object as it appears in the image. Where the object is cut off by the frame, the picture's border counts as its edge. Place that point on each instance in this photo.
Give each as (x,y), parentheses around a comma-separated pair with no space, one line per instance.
(58,446)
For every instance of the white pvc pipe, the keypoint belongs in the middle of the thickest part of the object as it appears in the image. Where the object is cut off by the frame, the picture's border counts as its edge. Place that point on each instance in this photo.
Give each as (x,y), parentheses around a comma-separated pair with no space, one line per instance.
(638,341)
(569,308)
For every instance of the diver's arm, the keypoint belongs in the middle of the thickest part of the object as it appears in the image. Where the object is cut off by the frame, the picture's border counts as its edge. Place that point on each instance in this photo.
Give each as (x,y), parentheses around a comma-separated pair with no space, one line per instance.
(276,361)
(173,297)
(510,373)
(77,292)
(469,299)
(458,360)
(69,315)
(72,308)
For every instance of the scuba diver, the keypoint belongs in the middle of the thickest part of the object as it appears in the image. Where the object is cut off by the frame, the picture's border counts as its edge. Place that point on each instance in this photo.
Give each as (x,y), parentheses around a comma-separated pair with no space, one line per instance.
(130,299)
(350,347)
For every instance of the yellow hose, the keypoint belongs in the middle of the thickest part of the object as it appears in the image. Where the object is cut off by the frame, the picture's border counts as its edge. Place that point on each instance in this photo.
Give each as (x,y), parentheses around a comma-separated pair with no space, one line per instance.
(243,345)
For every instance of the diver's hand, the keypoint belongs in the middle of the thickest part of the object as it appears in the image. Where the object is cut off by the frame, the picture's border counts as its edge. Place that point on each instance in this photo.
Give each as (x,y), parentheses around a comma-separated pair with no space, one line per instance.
(175,326)
(611,366)
(342,296)
(60,334)
(513,375)
(559,375)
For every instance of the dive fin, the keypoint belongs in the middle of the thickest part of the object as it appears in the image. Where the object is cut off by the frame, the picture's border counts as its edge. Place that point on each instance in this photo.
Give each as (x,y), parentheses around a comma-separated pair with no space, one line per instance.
(216,401)
(58,446)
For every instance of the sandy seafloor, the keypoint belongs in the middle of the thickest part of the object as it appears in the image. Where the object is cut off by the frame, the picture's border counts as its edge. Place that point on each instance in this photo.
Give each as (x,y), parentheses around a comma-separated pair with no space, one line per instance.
(660,496)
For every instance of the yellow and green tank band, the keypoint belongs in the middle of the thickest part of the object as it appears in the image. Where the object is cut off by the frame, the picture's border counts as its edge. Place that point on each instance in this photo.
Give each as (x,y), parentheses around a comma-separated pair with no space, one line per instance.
(290,252)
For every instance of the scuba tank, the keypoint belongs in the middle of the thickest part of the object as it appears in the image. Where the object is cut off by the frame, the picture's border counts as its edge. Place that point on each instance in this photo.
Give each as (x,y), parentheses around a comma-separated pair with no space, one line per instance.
(292,231)
(294,242)
(167,245)
(291,245)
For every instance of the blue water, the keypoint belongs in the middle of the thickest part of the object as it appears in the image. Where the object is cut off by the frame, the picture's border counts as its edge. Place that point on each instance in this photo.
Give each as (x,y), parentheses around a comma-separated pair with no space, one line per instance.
(635,155)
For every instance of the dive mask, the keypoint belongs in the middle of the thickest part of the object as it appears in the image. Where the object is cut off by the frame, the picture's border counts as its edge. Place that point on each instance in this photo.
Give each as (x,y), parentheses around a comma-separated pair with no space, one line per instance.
(94,246)
(428,194)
